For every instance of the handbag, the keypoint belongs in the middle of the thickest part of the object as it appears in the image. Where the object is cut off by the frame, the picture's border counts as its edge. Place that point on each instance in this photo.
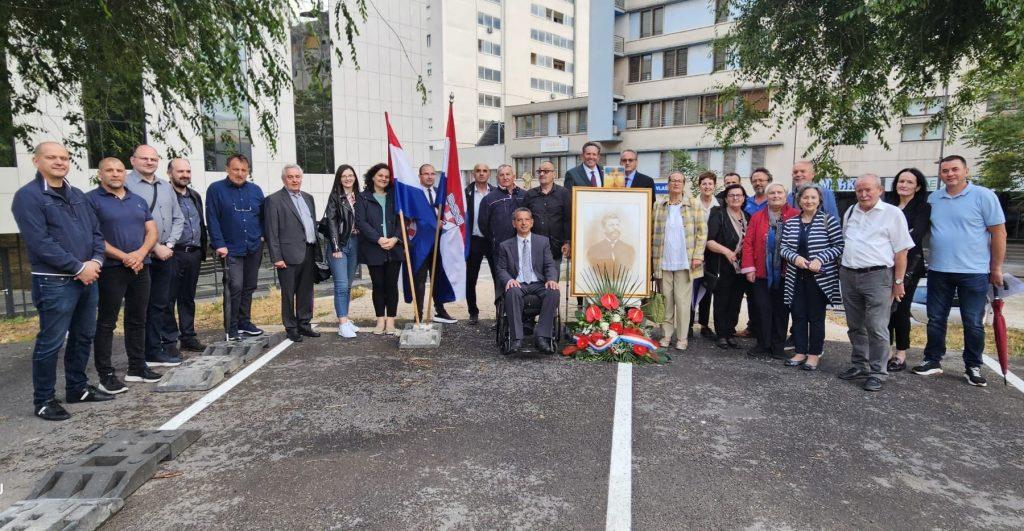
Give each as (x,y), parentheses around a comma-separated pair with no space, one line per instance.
(321,266)
(654,308)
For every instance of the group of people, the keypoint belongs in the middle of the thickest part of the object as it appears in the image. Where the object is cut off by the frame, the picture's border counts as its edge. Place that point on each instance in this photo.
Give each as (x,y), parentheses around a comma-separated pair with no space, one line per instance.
(138,241)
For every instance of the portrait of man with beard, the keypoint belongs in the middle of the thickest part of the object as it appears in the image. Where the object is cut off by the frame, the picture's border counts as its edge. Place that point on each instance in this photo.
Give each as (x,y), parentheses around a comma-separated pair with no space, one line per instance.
(611,251)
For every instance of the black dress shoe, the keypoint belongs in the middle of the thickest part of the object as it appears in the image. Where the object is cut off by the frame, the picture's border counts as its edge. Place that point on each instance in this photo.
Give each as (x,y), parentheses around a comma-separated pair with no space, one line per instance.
(193,346)
(722,343)
(89,394)
(872,384)
(706,333)
(474,319)
(515,346)
(758,352)
(546,345)
(733,343)
(294,336)
(52,410)
(852,373)
(309,332)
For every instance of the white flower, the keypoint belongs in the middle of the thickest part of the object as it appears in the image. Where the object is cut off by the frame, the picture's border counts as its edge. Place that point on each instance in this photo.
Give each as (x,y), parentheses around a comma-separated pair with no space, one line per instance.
(616,318)
(604,325)
(612,334)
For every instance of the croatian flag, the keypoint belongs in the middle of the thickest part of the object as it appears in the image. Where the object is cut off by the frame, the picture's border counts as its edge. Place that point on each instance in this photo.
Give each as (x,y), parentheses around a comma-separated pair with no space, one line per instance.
(454,247)
(420,216)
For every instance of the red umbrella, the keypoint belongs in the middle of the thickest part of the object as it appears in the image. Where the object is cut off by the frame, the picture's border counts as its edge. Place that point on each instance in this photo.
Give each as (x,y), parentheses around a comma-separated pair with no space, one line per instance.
(999,329)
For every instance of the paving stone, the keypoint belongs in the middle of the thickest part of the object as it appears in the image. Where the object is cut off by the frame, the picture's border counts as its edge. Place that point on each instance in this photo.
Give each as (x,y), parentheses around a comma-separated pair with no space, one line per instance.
(200,373)
(59,514)
(114,466)
(420,336)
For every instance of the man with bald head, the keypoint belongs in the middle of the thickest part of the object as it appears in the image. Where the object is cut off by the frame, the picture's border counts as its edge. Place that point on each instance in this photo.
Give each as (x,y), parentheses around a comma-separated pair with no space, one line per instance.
(803,173)
(189,254)
(871,275)
(161,332)
(551,206)
(479,246)
(66,251)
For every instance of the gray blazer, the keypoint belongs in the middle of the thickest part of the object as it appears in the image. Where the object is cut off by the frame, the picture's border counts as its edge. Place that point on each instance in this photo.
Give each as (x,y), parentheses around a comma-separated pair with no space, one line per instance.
(543,263)
(286,239)
(166,212)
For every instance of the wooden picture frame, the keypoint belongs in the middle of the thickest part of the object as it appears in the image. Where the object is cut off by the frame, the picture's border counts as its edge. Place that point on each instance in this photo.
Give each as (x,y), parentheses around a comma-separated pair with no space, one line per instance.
(607,219)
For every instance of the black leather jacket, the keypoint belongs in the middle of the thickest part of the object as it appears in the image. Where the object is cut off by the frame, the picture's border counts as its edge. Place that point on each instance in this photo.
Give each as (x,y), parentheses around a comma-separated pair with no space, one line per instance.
(340,217)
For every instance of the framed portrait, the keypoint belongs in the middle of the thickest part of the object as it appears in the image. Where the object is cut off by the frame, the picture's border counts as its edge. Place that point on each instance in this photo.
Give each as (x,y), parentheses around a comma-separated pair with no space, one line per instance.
(611,230)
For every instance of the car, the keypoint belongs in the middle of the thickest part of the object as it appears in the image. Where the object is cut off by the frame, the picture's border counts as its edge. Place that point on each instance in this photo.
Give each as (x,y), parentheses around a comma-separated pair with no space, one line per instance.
(919,307)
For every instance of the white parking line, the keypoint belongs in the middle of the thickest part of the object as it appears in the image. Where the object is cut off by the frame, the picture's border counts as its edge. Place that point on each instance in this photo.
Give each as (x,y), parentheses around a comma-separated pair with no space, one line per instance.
(1011,378)
(620,474)
(222,389)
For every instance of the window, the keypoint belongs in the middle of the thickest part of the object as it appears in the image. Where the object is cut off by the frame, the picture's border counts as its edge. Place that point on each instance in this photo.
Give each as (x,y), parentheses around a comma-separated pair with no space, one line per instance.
(550,38)
(488,74)
(550,62)
(547,85)
(757,156)
(729,160)
(709,110)
(652,21)
(430,69)
(755,99)
(115,116)
(488,47)
(655,114)
(640,67)
(703,158)
(721,58)
(428,40)
(311,76)
(488,100)
(225,135)
(925,106)
(563,123)
(675,62)
(495,2)
(531,125)
(558,64)
(488,21)
(721,11)
(483,124)
(8,156)
(920,132)
(554,16)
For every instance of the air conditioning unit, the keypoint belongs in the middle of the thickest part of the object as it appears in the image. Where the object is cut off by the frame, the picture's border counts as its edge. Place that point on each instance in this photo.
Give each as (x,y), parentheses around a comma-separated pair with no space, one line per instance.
(490,30)
(553,96)
(615,106)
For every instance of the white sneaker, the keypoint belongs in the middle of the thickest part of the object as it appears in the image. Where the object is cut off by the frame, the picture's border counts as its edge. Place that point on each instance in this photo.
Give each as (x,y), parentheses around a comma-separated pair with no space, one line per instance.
(351,326)
(345,331)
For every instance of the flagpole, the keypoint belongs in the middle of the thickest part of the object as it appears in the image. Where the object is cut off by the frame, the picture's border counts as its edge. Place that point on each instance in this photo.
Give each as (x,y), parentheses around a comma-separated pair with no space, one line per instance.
(408,267)
(437,232)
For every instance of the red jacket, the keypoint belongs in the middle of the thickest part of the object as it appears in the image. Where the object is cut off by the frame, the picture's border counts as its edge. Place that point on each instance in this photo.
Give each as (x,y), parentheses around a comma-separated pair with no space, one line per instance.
(756,238)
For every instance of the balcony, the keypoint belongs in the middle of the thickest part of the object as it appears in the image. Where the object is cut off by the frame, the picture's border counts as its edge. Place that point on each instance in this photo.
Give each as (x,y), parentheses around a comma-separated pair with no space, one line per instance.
(619,45)
(620,6)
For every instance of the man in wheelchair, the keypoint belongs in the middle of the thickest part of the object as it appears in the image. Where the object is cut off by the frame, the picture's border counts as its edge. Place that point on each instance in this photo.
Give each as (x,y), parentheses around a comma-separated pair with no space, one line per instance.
(525,267)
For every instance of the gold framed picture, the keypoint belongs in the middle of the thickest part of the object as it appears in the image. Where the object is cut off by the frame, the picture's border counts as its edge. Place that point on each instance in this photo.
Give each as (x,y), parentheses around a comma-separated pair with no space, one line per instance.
(611,230)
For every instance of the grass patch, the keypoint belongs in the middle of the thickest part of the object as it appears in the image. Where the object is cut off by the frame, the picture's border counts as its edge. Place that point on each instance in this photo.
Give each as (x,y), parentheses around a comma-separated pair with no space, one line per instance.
(955,336)
(209,315)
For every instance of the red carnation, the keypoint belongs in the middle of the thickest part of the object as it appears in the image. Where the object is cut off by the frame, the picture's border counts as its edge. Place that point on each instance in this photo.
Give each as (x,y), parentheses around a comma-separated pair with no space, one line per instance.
(616,327)
(639,350)
(582,341)
(592,314)
(609,301)
(636,315)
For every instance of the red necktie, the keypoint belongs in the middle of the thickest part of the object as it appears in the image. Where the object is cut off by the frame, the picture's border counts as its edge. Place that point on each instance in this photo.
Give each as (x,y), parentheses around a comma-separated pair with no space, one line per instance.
(593,178)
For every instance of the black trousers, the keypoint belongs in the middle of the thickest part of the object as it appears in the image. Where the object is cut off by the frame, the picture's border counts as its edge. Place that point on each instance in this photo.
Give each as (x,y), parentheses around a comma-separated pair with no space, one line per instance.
(297,292)
(772,315)
(384,281)
(183,291)
(420,285)
(703,307)
(479,248)
(752,315)
(116,284)
(808,316)
(728,299)
(243,274)
(514,309)
(160,328)
(899,323)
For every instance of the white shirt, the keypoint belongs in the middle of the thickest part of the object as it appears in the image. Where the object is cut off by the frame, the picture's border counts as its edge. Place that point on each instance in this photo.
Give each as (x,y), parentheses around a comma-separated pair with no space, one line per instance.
(478,198)
(596,174)
(707,208)
(526,274)
(874,237)
(675,257)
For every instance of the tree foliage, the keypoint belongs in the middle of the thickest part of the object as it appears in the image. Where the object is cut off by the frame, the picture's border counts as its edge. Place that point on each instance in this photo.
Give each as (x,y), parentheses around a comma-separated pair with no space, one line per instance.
(1000,136)
(186,55)
(851,67)
(683,162)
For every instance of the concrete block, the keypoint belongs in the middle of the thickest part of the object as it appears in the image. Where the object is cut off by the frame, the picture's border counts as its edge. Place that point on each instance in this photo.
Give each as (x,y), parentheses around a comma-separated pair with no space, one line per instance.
(59,514)
(247,349)
(426,335)
(201,373)
(114,466)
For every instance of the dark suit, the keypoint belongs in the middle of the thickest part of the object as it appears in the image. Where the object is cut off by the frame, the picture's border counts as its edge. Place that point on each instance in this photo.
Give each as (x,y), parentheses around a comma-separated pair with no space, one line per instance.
(544,269)
(479,248)
(608,256)
(420,276)
(579,176)
(287,241)
(185,276)
(642,181)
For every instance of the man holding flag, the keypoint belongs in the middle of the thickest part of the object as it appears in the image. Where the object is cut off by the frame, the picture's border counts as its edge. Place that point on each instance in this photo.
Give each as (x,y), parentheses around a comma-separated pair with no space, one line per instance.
(434,197)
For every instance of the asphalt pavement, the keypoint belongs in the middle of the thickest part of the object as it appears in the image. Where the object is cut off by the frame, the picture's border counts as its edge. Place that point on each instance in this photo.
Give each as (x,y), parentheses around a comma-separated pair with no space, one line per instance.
(355,433)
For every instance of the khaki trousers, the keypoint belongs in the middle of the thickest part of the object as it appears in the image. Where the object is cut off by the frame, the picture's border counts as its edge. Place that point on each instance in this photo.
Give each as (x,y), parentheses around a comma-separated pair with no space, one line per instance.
(678,290)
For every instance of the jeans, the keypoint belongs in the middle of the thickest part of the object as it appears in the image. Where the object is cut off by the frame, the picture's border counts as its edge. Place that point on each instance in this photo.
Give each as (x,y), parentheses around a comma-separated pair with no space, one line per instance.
(65,306)
(808,316)
(243,274)
(972,290)
(160,328)
(183,292)
(117,284)
(343,271)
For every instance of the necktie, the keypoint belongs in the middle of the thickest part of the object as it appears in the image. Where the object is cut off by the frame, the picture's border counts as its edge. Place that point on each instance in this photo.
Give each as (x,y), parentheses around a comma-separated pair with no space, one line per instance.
(526,263)
(593,178)
(306,216)
(430,194)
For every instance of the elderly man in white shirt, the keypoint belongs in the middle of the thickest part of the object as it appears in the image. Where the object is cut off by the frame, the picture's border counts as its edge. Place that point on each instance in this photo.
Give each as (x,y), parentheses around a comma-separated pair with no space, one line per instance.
(871,276)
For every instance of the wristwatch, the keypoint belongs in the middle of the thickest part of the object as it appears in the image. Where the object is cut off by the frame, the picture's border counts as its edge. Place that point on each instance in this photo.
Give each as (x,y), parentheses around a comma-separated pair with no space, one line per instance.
(898,282)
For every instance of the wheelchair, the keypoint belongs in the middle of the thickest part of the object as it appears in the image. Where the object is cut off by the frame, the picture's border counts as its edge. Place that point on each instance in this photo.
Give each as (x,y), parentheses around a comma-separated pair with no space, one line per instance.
(531,311)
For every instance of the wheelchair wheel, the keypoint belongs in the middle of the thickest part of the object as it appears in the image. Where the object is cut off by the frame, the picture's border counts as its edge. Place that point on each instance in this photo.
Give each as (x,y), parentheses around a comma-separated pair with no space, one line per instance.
(504,337)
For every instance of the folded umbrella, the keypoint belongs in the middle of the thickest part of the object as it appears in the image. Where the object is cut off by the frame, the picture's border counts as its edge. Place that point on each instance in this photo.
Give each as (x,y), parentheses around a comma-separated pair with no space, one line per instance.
(999,329)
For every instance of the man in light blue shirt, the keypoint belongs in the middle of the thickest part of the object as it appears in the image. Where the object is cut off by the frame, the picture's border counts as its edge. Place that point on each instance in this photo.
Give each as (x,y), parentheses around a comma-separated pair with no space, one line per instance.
(968,244)
(803,173)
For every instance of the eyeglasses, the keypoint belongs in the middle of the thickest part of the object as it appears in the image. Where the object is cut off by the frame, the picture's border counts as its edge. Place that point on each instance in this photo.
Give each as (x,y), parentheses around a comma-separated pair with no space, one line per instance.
(735,196)
(545,171)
